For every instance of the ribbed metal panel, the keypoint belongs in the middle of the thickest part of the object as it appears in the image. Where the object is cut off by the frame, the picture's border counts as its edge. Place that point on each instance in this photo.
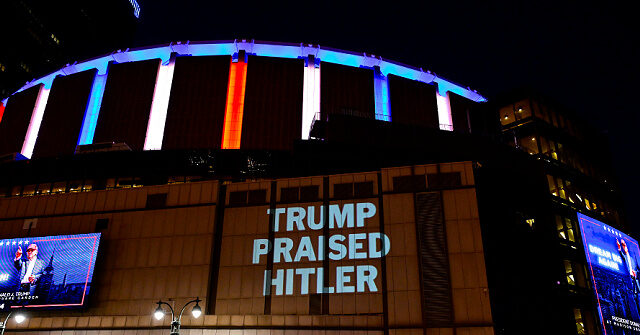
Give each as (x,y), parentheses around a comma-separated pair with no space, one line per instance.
(437,307)
(15,120)
(347,91)
(273,103)
(64,115)
(196,107)
(460,108)
(126,103)
(413,102)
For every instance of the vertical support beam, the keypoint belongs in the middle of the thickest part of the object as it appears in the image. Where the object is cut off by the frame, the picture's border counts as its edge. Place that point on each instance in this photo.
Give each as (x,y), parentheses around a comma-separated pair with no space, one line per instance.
(310,95)
(93,109)
(159,105)
(444,111)
(36,119)
(235,104)
(381,94)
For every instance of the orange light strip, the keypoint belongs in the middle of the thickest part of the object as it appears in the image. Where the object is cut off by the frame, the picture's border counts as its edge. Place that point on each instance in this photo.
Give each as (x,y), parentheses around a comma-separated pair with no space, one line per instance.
(235,105)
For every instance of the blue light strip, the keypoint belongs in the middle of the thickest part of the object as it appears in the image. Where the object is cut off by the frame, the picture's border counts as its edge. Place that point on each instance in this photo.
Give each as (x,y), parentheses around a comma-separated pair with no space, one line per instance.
(265,49)
(381,94)
(136,8)
(93,109)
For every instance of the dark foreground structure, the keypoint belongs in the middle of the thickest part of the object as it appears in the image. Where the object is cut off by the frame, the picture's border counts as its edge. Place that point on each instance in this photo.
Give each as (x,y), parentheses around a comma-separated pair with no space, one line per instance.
(298,189)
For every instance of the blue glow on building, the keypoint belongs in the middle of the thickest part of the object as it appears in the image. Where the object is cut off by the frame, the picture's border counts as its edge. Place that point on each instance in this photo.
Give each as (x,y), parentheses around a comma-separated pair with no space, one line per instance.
(93,109)
(381,95)
(266,49)
(136,8)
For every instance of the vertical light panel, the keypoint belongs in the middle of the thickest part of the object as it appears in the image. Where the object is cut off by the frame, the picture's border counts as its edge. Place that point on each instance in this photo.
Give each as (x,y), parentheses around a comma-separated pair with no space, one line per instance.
(381,94)
(34,124)
(93,109)
(232,129)
(159,105)
(310,96)
(444,111)
(2,104)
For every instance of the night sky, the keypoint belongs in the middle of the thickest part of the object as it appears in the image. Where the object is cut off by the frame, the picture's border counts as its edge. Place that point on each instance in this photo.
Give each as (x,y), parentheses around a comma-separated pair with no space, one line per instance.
(585,55)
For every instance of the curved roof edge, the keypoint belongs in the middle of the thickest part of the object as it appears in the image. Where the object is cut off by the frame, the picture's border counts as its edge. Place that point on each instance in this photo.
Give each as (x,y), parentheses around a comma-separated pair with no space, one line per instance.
(258,48)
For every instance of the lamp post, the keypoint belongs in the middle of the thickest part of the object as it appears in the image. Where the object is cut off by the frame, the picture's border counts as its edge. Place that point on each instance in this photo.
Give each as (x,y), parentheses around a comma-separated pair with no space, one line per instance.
(19,317)
(175,321)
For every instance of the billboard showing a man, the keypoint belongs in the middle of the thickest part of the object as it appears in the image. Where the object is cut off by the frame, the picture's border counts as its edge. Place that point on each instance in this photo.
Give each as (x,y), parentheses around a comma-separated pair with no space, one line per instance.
(47,272)
(612,257)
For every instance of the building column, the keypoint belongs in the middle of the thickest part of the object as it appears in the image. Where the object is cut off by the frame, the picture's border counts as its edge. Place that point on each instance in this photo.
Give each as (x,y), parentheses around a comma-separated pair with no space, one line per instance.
(310,95)
(93,108)
(159,105)
(381,95)
(36,119)
(444,110)
(232,130)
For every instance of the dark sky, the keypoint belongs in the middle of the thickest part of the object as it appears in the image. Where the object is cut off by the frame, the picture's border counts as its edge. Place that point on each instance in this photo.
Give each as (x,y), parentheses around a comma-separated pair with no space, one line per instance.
(583,55)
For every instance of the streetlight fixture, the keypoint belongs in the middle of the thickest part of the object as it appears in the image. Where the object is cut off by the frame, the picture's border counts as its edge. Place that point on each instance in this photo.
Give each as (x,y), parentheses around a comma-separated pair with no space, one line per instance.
(19,317)
(196,311)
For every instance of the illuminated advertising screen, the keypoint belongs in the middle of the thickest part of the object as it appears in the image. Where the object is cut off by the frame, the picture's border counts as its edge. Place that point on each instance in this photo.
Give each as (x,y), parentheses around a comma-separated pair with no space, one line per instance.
(612,257)
(47,272)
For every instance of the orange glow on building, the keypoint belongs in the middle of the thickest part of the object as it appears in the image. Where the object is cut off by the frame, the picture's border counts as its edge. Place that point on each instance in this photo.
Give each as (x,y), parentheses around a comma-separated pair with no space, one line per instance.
(235,105)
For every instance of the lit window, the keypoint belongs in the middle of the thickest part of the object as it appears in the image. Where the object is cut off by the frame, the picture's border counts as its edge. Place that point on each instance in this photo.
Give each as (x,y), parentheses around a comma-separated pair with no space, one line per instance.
(579,322)
(565,229)
(568,270)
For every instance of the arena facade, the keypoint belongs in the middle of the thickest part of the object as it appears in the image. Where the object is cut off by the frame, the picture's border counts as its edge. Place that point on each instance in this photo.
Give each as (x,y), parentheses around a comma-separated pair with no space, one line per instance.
(293,188)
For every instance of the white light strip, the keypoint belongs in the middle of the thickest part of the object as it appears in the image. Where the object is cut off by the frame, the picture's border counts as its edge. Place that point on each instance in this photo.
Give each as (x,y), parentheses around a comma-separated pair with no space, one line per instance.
(159,105)
(444,111)
(34,124)
(310,98)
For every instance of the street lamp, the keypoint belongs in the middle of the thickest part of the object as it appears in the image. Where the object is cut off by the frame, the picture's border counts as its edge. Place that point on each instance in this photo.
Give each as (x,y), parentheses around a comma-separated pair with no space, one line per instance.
(19,317)
(196,311)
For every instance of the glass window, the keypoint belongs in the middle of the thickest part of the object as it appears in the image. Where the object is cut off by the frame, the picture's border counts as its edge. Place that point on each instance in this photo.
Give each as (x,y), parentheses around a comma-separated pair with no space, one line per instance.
(565,228)
(552,185)
(43,188)
(543,113)
(577,314)
(529,144)
(544,144)
(561,153)
(59,187)
(87,186)
(568,271)
(17,190)
(506,115)
(552,150)
(522,109)
(561,192)
(74,186)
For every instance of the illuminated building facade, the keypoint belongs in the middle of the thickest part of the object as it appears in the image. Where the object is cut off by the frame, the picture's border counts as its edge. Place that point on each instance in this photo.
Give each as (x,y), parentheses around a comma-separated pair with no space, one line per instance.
(293,188)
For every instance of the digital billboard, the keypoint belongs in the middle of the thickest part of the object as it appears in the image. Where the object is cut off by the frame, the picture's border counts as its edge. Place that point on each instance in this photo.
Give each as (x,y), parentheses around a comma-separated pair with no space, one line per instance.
(612,257)
(47,272)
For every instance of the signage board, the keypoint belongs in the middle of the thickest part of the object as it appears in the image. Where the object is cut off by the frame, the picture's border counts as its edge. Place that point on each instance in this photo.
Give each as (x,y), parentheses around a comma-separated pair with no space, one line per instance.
(47,272)
(612,258)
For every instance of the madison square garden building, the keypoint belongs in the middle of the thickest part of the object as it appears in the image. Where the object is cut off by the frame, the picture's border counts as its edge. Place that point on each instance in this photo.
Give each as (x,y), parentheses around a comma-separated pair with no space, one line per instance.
(302,189)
